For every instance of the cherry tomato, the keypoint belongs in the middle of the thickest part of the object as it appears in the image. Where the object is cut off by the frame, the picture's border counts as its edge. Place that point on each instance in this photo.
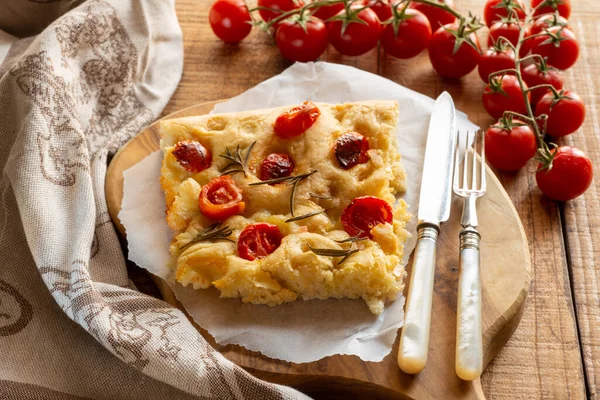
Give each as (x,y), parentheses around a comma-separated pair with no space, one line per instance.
(562,56)
(295,121)
(494,60)
(565,116)
(564,8)
(277,7)
(326,12)
(548,21)
(358,38)
(297,43)
(447,63)
(436,16)
(229,20)
(507,30)
(495,10)
(570,176)
(220,198)
(351,149)
(503,94)
(192,156)
(414,34)
(534,76)
(508,148)
(258,241)
(365,213)
(276,165)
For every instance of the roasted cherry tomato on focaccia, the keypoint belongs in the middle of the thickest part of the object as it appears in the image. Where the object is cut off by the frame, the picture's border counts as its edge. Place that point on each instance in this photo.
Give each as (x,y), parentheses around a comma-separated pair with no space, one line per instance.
(258,241)
(276,165)
(351,149)
(220,198)
(365,213)
(297,120)
(192,156)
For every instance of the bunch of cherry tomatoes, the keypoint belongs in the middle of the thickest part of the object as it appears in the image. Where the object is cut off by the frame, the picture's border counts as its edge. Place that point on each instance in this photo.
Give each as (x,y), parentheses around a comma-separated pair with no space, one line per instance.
(528,46)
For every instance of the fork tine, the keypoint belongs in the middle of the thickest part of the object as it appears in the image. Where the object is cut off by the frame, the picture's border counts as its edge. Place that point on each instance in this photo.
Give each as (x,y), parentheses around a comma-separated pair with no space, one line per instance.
(456,163)
(474,148)
(483,183)
(465,178)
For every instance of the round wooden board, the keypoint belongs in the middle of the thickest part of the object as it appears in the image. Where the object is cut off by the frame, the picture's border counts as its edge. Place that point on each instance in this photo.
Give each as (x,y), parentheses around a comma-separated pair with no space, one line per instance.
(505,273)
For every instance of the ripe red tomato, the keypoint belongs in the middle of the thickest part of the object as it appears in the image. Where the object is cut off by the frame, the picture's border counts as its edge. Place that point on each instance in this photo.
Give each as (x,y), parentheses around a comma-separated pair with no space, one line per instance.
(351,149)
(297,120)
(436,16)
(534,76)
(503,94)
(192,156)
(443,59)
(413,36)
(326,12)
(562,56)
(383,9)
(297,43)
(277,7)
(229,20)
(358,38)
(564,8)
(276,165)
(494,60)
(495,10)
(570,176)
(565,116)
(258,241)
(507,30)
(220,198)
(509,147)
(548,21)
(365,213)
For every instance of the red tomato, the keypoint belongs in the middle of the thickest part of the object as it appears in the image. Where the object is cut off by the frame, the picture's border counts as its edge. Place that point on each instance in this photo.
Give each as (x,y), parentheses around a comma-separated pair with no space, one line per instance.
(297,43)
(534,76)
(414,34)
(509,147)
(562,56)
(436,16)
(276,165)
(220,198)
(494,60)
(382,8)
(548,21)
(507,30)
(358,38)
(351,149)
(565,116)
(503,94)
(277,7)
(229,20)
(495,10)
(326,12)
(192,156)
(447,63)
(258,241)
(297,120)
(365,213)
(563,7)
(569,177)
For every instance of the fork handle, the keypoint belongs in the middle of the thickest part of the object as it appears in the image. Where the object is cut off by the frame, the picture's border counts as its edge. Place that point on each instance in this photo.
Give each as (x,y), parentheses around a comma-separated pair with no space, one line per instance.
(469,357)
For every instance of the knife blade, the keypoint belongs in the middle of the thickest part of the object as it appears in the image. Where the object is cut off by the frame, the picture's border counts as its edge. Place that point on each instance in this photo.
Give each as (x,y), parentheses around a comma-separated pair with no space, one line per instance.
(434,208)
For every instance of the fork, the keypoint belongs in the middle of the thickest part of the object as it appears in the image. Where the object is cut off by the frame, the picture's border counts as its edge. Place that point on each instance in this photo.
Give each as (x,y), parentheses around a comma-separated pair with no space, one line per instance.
(469,357)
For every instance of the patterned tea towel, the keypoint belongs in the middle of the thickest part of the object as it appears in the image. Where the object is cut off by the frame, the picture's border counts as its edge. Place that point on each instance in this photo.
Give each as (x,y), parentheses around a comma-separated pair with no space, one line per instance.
(70,324)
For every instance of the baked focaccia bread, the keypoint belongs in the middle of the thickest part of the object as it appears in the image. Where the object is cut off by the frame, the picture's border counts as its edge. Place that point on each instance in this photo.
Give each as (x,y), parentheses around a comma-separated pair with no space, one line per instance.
(295,202)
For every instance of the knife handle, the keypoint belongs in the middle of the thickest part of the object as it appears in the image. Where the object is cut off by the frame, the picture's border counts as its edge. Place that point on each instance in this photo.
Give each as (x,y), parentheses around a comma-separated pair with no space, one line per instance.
(414,340)
(469,354)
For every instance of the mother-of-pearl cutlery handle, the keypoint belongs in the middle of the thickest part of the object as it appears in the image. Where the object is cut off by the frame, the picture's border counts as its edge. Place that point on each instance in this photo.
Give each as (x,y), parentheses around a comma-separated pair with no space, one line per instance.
(469,357)
(414,341)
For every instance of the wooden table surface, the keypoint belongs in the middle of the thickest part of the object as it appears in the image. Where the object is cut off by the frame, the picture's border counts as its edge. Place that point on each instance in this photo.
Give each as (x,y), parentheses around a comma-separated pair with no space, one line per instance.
(555,352)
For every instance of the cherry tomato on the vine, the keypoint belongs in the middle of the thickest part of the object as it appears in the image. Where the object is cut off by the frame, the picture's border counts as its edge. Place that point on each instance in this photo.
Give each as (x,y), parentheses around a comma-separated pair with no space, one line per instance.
(503,94)
(508,147)
(258,241)
(495,10)
(277,7)
(507,30)
(230,20)
(565,115)
(358,37)
(326,12)
(494,60)
(365,213)
(452,64)
(382,8)
(562,52)
(569,177)
(302,43)
(220,198)
(548,21)
(563,6)
(412,37)
(533,75)
(437,17)
(295,121)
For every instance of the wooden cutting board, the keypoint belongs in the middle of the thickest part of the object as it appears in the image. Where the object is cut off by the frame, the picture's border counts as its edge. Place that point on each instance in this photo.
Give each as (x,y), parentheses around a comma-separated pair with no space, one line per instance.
(505,273)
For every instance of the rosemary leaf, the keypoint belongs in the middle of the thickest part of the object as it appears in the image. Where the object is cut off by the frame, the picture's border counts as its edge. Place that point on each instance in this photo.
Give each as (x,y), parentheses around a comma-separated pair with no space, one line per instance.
(239,162)
(351,239)
(293,196)
(344,253)
(290,179)
(348,255)
(305,216)
(213,232)
(318,196)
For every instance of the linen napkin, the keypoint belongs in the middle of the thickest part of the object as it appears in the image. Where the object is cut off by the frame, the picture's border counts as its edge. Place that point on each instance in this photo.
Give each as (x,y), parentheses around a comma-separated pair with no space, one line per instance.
(71,324)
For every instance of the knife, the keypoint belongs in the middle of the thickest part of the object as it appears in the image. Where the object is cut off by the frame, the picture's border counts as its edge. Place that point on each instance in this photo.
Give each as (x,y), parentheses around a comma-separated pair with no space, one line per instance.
(434,208)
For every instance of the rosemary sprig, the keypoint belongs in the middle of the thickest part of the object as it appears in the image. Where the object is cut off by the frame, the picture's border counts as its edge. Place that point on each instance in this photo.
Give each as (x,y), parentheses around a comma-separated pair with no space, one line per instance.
(344,253)
(213,232)
(292,180)
(318,196)
(351,239)
(305,216)
(237,162)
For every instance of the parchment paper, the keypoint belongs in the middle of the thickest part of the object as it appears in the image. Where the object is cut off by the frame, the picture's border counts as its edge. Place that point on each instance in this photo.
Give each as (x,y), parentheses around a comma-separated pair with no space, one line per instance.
(301,331)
